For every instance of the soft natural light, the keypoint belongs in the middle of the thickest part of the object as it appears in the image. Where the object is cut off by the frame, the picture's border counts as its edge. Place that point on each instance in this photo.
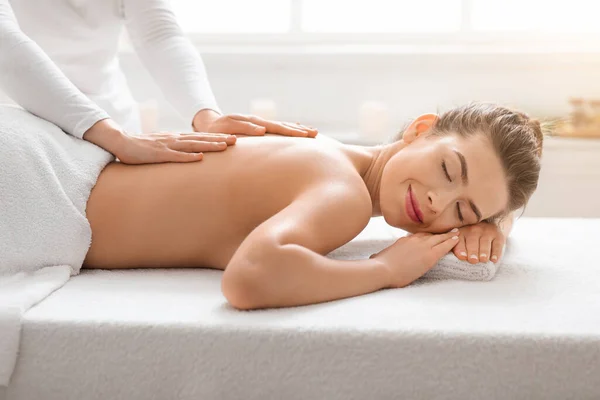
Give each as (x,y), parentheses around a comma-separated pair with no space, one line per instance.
(283,17)
(537,15)
(381,16)
(233,16)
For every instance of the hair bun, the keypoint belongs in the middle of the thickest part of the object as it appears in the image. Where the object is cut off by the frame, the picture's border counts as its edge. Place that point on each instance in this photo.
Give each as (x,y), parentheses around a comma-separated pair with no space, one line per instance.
(537,129)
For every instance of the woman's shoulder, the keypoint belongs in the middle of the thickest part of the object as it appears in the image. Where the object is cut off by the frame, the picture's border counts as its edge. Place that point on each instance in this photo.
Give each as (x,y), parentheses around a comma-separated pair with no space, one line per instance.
(302,163)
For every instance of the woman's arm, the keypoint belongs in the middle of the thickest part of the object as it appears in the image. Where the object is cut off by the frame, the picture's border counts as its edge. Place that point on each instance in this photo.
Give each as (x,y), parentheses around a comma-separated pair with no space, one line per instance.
(281,262)
(32,80)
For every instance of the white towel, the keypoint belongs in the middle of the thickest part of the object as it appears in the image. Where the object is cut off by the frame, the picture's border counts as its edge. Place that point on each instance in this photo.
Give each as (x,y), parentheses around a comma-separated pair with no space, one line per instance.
(449,267)
(46,177)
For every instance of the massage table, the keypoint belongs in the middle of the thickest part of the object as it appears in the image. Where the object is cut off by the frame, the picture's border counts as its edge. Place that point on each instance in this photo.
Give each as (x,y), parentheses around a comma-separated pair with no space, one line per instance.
(533,332)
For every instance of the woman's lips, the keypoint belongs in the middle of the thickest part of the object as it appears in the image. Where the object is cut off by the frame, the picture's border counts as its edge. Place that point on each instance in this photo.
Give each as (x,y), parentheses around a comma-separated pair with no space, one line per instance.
(412,207)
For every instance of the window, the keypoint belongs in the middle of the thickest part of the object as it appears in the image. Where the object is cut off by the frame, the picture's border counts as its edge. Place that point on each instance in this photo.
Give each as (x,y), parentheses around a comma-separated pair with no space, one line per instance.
(301,21)
(233,16)
(573,16)
(381,16)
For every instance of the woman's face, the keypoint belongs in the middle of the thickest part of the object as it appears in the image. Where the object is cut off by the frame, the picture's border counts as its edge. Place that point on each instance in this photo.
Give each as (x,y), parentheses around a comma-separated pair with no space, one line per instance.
(438,183)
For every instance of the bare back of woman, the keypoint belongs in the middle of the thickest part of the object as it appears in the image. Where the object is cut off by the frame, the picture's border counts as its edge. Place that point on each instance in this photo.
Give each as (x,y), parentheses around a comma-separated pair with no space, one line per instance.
(197,214)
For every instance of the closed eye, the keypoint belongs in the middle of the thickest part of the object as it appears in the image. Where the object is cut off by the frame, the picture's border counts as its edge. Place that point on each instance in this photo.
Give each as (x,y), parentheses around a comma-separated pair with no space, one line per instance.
(460,216)
(446,171)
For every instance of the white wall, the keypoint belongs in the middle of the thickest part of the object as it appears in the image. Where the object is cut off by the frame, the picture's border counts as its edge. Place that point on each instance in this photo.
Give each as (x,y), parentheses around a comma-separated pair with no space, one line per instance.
(326,89)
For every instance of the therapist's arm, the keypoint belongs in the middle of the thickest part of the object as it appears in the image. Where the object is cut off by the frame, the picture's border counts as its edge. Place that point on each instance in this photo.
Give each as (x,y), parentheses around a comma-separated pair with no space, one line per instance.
(177,68)
(32,80)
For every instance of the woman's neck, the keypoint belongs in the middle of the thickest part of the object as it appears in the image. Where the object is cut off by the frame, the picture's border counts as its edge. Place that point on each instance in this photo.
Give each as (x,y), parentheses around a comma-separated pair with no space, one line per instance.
(370,162)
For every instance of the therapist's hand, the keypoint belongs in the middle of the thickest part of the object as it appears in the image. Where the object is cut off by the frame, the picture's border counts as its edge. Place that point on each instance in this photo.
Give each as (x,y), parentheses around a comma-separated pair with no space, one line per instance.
(480,242)
(155,147)
(236,124)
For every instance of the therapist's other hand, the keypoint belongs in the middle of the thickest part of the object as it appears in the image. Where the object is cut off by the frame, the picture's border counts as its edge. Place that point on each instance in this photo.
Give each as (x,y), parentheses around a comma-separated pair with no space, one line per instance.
(155,147)
(250,125)
(480,242)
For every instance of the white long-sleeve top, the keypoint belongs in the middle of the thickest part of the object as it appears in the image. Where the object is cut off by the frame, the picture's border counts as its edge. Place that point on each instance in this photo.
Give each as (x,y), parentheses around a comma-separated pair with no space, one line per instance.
(60,60)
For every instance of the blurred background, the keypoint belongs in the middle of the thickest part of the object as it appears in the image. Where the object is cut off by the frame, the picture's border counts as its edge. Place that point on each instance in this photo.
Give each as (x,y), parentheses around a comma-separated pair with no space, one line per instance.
(322,62)
(360,70)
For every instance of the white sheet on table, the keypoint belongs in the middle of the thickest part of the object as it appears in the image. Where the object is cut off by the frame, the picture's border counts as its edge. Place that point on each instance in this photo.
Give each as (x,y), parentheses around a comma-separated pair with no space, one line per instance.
(533,332)
(46,177)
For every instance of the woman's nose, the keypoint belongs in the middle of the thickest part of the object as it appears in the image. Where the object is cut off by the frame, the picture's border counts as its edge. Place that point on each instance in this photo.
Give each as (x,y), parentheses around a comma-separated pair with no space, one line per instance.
(439,200)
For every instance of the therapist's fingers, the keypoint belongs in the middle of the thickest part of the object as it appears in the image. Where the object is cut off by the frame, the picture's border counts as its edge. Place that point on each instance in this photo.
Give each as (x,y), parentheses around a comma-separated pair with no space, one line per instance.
(165,137)
(472,242)
(279,128)
(209,137)
(194,146)
(310,132)
(167,156)
(237,127)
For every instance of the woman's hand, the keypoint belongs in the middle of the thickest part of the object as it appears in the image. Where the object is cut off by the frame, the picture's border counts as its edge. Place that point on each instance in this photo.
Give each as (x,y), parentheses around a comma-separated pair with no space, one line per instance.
(156,147)
(480,243)
(236,124)
(410,257)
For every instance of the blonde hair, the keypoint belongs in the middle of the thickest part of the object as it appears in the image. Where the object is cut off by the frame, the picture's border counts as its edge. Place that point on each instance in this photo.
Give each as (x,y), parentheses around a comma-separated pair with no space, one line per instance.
(515,136)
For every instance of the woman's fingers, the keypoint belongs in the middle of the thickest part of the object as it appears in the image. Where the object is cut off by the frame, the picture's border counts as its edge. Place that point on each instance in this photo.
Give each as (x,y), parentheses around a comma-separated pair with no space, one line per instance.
(472,242)
(497,247)
(460,250)
(191,146)
(449,241)
(442,237)
(485,248)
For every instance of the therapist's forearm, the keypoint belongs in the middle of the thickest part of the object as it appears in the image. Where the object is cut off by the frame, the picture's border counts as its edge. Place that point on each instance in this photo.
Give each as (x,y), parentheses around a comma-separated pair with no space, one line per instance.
(106,134)
(169,56)
(203,119)
(292,275)
(31,79)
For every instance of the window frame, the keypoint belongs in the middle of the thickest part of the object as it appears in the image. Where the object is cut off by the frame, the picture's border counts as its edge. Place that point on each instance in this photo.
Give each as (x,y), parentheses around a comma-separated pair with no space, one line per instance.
(463,40)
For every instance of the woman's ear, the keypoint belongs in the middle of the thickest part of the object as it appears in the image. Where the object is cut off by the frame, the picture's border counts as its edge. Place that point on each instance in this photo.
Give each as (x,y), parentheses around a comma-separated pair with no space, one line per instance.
(418,127)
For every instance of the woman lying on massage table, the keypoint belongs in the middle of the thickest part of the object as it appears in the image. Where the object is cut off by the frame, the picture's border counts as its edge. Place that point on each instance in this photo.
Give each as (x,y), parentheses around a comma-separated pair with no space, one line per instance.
(269,218)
